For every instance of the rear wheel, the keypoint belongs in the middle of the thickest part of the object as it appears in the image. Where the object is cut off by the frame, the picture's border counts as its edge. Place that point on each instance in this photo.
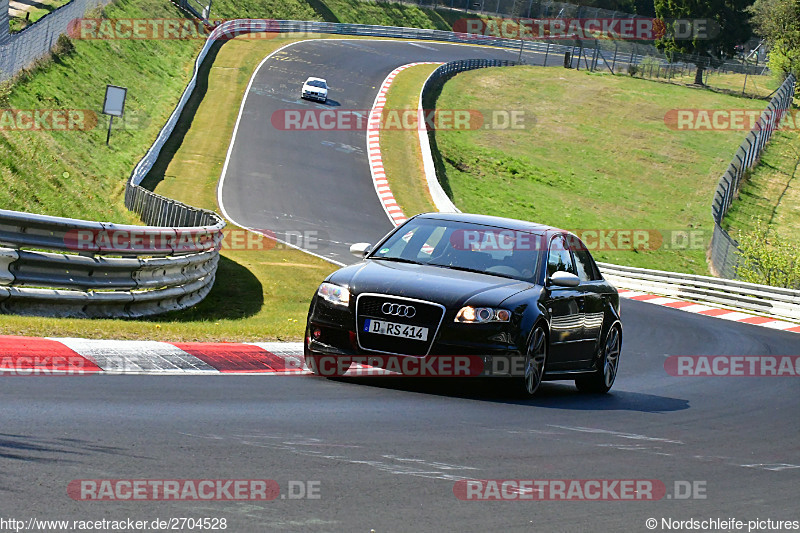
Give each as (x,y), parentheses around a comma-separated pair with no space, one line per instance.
(601,380)
(535,358)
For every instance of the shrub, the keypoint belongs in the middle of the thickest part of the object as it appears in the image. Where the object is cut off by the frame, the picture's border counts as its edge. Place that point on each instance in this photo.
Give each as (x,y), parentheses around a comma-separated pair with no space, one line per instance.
(767,258)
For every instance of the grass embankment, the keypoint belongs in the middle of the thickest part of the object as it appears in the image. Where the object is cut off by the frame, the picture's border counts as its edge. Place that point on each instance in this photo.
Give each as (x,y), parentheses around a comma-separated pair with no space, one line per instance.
(258,294)
(73,173)
(772,191)
(594,154)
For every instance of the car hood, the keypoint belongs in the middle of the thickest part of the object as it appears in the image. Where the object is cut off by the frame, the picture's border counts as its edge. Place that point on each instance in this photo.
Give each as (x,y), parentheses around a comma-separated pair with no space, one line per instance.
(452,288)
(315,89)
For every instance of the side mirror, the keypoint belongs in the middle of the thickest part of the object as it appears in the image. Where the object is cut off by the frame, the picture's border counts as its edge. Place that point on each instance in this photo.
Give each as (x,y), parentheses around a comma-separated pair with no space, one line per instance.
(360,249)
(564,279)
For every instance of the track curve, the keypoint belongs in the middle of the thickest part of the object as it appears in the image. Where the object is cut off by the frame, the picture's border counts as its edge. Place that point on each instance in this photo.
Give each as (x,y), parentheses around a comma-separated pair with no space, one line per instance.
(319,181)
(388,452)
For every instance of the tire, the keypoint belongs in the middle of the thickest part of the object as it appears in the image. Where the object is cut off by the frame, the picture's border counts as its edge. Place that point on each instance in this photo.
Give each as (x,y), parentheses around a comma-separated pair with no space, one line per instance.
(602,379)
(535,359)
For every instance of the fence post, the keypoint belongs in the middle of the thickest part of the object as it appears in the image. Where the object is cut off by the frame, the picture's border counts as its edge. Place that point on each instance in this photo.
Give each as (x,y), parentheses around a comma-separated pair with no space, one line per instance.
(616,48)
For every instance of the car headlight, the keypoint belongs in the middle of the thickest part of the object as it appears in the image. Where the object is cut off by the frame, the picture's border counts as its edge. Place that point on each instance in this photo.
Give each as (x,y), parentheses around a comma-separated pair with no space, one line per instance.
(478,315)
(335,294)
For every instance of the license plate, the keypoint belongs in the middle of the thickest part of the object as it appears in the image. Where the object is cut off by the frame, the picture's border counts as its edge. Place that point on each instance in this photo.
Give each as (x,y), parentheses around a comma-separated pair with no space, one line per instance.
(393,329)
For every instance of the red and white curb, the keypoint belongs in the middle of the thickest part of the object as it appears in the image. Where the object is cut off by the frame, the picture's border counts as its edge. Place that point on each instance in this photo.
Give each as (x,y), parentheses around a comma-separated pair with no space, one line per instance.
(36,356)
(707,310)
(394,212)
(43,356)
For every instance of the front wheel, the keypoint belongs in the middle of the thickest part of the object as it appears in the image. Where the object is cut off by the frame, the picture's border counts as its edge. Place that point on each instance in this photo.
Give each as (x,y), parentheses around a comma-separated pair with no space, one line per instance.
(601,380)
(535,358)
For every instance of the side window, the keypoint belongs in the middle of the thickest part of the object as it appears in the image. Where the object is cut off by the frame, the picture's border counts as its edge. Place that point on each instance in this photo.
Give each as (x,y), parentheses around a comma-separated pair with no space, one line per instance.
(558,257)
(587,270)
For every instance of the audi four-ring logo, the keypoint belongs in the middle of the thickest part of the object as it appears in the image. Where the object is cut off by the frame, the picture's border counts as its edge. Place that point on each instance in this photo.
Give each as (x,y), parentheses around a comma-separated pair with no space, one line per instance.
(407,311)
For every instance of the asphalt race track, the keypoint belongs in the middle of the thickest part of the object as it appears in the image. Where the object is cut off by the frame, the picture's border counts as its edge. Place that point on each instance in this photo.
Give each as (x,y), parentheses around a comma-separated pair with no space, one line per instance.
(317,183)
(385,453)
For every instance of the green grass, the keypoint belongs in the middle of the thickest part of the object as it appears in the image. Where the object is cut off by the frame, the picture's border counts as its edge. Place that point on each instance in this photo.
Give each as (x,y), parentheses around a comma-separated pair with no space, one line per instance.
(400,149)
(753,86)
(772,190)
(258,294)
(74,173)
(383,14)
(594,153)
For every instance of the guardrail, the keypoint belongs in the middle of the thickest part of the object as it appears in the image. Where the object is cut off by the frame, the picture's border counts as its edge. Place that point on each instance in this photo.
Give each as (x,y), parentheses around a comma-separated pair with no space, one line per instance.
(724,256)
(65,267)
(775,301)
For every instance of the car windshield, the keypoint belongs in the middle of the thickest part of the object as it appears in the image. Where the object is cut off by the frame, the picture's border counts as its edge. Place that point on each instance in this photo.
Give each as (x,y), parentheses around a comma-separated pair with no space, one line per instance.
(317,83)
(464,246)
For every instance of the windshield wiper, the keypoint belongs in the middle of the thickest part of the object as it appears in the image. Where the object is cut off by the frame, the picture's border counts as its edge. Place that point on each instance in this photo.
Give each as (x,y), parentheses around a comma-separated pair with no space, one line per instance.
(475,270)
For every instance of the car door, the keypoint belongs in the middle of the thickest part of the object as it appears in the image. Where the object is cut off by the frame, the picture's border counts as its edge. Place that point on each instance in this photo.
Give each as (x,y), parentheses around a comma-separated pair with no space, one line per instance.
(594,297)
(565,307)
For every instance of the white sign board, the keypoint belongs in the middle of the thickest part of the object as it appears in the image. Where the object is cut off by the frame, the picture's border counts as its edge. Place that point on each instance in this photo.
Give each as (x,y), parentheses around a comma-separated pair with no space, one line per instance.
(114,103)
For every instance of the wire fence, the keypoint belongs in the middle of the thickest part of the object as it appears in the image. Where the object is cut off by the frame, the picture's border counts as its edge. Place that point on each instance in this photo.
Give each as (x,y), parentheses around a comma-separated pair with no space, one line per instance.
(20,50)
(724,256)
(630,57)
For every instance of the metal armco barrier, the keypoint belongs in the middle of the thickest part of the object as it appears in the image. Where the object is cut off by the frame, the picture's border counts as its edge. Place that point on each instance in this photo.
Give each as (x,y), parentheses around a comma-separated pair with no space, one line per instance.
(775,301)
(64,267)
(724,255)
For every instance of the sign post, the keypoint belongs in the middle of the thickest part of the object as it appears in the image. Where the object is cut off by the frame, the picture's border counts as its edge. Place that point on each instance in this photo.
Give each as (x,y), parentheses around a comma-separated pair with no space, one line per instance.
(114,105)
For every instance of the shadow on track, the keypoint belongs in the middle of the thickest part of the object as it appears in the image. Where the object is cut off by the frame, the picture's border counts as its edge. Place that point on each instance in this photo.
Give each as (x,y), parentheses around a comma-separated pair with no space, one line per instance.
(551,395)
(239,296)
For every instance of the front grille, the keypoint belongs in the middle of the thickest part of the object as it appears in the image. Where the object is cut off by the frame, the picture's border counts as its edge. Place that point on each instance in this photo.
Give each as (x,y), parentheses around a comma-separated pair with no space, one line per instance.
(427,314)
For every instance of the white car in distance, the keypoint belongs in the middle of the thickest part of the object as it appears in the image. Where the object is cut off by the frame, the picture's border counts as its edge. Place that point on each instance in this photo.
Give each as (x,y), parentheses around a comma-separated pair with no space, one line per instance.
(315,89)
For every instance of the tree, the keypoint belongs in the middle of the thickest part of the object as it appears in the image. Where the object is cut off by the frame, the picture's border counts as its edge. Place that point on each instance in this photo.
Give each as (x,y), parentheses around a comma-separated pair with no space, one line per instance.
(727,26)
(778,22)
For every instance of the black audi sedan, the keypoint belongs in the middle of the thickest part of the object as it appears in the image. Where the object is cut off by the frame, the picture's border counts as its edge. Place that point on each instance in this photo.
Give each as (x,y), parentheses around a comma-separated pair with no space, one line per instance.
(485,288)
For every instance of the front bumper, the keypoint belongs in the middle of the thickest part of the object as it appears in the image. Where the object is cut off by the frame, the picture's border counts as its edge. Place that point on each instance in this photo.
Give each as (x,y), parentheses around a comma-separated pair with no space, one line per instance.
(315,96)
(331,332)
